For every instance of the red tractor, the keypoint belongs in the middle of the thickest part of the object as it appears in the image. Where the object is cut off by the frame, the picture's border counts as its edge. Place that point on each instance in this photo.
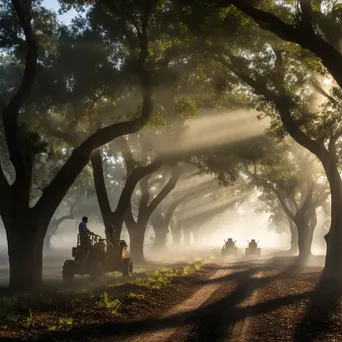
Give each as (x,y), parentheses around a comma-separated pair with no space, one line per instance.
(98,258)
(253,248)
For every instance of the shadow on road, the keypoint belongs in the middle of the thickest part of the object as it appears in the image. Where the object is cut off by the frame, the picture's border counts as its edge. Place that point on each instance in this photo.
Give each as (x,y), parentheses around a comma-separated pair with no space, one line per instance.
(318,319)
(211,322)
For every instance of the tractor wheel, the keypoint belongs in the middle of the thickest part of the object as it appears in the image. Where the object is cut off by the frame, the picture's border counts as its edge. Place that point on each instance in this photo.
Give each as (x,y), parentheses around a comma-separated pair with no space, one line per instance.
(127,267)
(68,271)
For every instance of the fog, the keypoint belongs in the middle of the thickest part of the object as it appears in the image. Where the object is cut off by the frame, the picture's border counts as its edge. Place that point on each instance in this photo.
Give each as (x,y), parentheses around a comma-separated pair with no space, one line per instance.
(212,128)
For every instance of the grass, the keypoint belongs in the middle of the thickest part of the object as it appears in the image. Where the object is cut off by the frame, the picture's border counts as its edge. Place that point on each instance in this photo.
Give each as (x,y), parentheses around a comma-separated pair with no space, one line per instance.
(137,296)
(60,309)
(108,303)
(63,324)
(65,321)
(164,276)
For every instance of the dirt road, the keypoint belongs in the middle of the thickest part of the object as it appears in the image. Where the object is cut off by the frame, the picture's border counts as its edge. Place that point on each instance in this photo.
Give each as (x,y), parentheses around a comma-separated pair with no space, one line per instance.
(239,300)
(219,311)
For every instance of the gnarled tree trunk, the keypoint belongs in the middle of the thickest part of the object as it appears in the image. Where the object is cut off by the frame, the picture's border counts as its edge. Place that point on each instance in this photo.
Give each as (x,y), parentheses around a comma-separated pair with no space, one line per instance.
(137,228)
(294,236)
(333,261)
(137,238)
(161,229)
(25,251)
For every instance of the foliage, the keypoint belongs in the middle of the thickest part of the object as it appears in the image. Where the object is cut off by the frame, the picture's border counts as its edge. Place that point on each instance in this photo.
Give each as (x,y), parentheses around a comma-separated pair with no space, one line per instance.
(108,303)
(164,276)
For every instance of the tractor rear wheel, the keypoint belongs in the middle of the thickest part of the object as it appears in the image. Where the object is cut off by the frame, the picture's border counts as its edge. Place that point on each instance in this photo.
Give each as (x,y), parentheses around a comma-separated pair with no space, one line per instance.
(68,271)
(127,267)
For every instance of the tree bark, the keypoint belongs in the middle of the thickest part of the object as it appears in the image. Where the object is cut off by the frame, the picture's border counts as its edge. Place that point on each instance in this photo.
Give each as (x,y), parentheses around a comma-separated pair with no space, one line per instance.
(146,209)
(294,236)
(101,191)
(305,235)
(302,34)
(305,238)
(161,232)
(137,239)
(25,252)
(116,218)
(333,261)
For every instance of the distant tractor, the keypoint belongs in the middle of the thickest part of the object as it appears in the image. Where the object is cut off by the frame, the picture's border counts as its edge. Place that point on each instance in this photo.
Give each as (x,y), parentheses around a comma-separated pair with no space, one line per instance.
(253,248)
(98,258)
(229,248)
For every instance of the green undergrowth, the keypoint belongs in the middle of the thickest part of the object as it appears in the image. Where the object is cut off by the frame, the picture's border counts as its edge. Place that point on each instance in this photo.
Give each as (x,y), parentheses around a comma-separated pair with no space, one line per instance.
(164,276)
(63,303)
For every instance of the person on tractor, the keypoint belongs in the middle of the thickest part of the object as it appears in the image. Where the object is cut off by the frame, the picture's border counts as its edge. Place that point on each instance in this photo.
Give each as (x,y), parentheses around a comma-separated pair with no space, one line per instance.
(84,233)
(253,244)
(230,242)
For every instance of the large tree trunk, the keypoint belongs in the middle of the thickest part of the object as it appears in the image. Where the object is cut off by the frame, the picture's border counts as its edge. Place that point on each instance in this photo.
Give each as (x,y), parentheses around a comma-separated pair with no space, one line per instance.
(333,261)
(306,224)
(294,236)
(47,242)
(25,252)
(305,236)
(101,192)
(137,238)
(161,229)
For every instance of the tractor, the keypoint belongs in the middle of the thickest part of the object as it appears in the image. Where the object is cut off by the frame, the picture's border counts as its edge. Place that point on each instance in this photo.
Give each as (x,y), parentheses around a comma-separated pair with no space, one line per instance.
(99,257)
(229,248)
(253,248)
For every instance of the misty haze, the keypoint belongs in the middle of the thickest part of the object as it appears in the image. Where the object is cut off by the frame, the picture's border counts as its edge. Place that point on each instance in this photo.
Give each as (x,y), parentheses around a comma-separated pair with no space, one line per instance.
(170,170)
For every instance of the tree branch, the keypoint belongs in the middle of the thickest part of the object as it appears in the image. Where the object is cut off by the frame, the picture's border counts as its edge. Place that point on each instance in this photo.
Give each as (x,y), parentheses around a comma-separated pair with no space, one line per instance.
(307,39)
(306,20)
(307,200)
(55,192)
(166,190)
(282,103)
(11,111)
(145,196)
(100,185)
(127,154)
(123,208)
(283,203)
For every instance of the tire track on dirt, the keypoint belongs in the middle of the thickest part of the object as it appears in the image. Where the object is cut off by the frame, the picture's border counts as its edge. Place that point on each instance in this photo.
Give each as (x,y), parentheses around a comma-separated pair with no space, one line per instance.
(239,332)
(229,313)
(190,304)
